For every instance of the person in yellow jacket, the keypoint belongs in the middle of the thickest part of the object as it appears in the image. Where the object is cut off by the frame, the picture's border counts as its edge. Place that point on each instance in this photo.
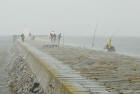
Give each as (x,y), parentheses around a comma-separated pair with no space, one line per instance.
(109,43)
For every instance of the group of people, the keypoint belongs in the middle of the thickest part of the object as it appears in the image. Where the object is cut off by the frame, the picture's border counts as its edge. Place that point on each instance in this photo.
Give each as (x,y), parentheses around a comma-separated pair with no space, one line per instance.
(54,37)
(30,36)
(57,37)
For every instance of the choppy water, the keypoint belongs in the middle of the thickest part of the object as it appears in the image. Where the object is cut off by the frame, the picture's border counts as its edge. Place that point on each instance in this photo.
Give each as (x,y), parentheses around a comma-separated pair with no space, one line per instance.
(124,45)
(5,42)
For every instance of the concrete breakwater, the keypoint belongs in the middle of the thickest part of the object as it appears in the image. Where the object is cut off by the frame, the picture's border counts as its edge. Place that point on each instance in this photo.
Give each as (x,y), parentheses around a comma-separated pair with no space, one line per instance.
(71,70)
(120,74)
(22,80)
(29,67)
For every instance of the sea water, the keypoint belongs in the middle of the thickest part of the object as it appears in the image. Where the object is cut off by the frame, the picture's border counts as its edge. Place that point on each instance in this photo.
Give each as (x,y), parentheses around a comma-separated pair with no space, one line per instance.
(123,45)
(5,41)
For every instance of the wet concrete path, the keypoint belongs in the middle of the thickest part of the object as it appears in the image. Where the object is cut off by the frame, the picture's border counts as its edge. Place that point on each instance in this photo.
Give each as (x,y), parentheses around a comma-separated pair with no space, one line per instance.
(120,74)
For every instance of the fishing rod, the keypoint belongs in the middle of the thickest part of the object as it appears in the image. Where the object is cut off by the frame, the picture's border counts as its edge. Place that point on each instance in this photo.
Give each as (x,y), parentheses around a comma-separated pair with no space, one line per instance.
(94,36)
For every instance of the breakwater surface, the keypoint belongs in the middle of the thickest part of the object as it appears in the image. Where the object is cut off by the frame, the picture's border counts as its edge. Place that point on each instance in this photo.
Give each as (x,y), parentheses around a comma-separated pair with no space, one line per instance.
(36,67)
(33,70)
(120,74)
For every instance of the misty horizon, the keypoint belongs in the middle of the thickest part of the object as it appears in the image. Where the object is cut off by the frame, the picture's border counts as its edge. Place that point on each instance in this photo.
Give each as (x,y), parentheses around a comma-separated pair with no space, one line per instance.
(72,18)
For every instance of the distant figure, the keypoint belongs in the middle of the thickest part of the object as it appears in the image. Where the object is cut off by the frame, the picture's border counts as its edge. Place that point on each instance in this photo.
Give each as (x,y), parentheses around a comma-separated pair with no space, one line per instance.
(109,46)
(54,37)
(109,43)
(30,35)
(22,37)
(51,35)
(59,38)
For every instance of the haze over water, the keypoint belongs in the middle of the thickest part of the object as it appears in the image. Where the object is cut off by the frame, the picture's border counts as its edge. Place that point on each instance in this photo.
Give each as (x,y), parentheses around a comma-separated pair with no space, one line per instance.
(78,18)
(124,45)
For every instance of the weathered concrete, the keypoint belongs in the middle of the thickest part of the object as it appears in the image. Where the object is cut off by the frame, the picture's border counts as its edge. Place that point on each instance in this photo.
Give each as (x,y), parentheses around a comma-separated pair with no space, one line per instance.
(120,74)
(54,76)
(21,78)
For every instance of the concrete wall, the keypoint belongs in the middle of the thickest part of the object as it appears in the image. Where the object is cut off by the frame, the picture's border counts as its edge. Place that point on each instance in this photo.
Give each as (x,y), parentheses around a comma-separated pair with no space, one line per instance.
(54,76)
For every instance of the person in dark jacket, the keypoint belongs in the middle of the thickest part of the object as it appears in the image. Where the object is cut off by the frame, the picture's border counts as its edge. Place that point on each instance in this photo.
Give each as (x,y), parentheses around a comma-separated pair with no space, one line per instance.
(22,37)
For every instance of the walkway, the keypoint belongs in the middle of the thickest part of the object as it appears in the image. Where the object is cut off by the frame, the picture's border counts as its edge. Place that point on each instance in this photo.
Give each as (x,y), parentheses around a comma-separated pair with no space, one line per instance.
(120,74)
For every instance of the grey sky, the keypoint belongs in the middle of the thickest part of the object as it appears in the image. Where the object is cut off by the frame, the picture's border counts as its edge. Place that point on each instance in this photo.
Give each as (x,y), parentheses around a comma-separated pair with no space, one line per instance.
(121,17)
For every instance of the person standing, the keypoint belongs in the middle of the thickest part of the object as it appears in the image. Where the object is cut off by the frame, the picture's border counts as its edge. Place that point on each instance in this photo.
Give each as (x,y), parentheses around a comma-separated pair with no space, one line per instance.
(59,38)
(51,35)
(22,37)
(109,43)
(54,37)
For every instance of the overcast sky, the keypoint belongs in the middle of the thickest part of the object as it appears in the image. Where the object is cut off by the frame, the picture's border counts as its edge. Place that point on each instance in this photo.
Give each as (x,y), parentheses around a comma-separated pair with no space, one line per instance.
(71,17)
